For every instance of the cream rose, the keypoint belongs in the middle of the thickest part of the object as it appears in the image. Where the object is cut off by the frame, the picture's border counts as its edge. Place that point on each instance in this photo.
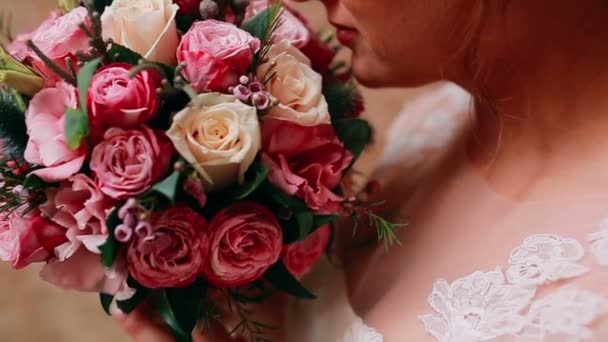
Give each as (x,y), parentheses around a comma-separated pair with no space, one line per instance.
(297,87)
(145,26)
(219,136)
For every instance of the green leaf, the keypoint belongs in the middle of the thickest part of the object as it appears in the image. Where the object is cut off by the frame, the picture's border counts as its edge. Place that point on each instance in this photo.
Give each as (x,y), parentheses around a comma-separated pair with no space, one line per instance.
(109,250)
(184,22)
(286,200)
(129,305)
(122,54)
(281,279)
(181,309)
(258,26)
(106,300)
(168,187)
(34,182)
(99,5)
(76,127)
(340,99)
(254,178)
(356,134)
(84,80)
(321,220)
(305,221)
(13,131)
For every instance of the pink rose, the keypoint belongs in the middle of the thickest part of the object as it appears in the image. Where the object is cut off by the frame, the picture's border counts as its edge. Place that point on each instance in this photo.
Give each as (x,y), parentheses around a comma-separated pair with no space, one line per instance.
(128,163)
(80,208)
(28,238)
(293,28)
(59,40)
(216,54)
(45,126)
(84,272)
(245,240)
(18,47)
(307,162)
(301,256)
(116,100)
(174,251)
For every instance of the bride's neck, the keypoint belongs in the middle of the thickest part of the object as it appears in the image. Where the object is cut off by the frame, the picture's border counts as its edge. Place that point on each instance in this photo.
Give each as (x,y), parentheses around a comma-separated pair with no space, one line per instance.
(543,106)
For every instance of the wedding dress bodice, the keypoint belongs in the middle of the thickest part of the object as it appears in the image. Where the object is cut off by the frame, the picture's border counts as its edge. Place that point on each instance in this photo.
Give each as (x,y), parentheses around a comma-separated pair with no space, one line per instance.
(551,286)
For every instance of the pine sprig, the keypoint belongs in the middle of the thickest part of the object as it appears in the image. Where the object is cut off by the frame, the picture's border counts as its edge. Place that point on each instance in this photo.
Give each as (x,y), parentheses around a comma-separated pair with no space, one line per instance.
(13,131)
(264,26)
(255,330)
(365,215)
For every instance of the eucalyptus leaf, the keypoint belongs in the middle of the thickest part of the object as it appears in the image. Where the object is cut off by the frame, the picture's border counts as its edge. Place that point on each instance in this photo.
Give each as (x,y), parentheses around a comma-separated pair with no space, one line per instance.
(169,186)
(305,221)
(286,200)
(181,309)
(106,300)
(258,25)
(129,305)
(85,75)
(281,279)
(109,250)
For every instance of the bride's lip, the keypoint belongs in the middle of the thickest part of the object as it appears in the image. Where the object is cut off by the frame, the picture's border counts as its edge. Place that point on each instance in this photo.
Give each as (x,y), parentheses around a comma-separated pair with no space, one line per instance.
(346,35)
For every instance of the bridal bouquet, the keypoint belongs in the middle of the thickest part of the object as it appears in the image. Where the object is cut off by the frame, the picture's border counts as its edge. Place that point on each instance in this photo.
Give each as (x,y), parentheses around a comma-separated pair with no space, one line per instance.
(168,151)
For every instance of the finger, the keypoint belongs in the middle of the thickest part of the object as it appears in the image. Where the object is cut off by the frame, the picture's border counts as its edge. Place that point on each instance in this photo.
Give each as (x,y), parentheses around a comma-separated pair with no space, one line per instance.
(214,333)
(140,327)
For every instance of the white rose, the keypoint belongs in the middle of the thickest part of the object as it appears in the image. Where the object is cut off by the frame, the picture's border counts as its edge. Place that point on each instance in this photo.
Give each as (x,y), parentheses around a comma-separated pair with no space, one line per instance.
(144,26)
(219,136)
(297,87)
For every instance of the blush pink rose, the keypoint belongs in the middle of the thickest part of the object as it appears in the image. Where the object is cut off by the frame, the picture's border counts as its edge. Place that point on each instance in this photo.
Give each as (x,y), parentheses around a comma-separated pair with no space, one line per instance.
(18,47)
(84,272)
(116,100)
(81,209)
(301,256)
(245,240)
(293,28)
(307,162)
(46,146)
(216,54)
(128,163)
(26,238)
(174,252)
(59,40)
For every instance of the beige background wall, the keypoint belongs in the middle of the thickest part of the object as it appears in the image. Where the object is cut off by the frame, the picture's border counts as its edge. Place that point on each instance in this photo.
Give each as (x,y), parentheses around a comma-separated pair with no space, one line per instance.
(31,310)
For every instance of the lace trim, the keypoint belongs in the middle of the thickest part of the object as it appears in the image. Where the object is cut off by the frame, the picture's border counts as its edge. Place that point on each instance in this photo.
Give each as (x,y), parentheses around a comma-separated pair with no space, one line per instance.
(490,306)
(360,332)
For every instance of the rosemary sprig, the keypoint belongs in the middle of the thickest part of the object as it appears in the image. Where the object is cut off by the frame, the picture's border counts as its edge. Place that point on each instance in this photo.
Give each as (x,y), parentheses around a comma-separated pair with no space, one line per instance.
(255,330)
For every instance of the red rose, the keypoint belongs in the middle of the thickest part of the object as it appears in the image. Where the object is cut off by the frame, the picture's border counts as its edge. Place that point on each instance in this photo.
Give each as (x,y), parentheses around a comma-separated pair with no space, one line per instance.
(216,54)
(307,162)
(128,163)
(174,251)
(188,7)
(116,100)
(28,238)
(321,55)
(300,257)
(245,240)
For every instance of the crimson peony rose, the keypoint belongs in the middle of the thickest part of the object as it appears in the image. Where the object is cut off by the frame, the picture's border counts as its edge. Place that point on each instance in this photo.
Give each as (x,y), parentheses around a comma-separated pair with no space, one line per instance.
(301,256)
(174,252)
(216,54)
(128,163)
(245,240)
(307,162)
(116,100)
(28,238)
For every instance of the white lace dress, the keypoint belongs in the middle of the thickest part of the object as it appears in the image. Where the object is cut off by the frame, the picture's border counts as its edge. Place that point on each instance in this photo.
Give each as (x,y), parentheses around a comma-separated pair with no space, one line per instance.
(553,286)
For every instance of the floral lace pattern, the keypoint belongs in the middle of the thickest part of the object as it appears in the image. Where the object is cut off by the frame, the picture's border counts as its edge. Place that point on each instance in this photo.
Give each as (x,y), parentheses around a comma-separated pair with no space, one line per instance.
(360,332)
(492,306)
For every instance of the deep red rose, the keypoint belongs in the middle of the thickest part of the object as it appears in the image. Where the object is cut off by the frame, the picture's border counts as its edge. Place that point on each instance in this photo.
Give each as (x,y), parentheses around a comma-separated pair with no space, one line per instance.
(245,240)
(301,256)
(174,252)
(307,162)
